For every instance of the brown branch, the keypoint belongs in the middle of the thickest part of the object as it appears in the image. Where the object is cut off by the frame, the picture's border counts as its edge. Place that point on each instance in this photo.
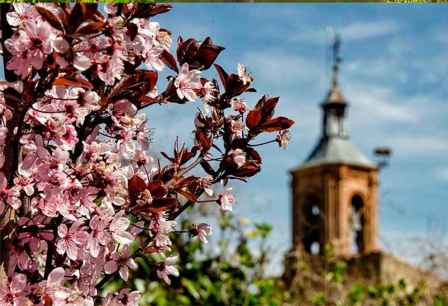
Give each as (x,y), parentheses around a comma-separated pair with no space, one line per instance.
(92,120)
(51,246)
(177,213)
(49,259)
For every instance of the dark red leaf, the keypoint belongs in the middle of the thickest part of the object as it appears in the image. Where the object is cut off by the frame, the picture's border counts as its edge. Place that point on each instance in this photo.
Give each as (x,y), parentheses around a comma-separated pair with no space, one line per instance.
(268,107)
(150,10)
(132,30)
(203,140)
(253,119)
(158,206)
(159,9)
(136,185)
(207,53)
(90,27)
(77,15)
(74,81)
(250,168)
(166,156)
(82,12)
(169,60)
(187,181)
(165,174)
(163,204)
(157,189)
(151,78)
(12,97)
(276,124)
(134,86)
(51,18)
(146,101)
(252,154)
(222,75)
(186,50)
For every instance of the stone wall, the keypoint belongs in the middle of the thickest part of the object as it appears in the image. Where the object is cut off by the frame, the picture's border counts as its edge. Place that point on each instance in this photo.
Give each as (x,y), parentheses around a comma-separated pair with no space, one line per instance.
(372,268)
(384,268)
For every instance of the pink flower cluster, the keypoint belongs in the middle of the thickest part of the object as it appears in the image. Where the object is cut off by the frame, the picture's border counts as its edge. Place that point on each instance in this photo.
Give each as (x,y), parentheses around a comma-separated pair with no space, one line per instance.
(80,197)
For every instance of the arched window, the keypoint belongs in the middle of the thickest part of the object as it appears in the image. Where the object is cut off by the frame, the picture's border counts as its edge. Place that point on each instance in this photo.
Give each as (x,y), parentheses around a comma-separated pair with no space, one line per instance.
(312,220)
(357,223)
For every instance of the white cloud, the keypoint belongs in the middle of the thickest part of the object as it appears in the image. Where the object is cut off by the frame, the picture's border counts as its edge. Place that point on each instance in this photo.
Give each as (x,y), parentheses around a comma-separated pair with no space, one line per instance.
(351,32)
(375,104)
(380,69)
(365,30)
(279,68)
(418,144)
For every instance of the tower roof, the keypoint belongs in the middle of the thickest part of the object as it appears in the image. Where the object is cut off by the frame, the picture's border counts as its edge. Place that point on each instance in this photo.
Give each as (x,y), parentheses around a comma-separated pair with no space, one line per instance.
(337,150)
(334,146)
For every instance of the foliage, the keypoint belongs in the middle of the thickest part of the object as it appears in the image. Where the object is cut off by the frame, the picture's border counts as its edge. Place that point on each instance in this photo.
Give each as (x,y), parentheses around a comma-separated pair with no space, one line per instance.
(333,286)
(230,272)
(81,199)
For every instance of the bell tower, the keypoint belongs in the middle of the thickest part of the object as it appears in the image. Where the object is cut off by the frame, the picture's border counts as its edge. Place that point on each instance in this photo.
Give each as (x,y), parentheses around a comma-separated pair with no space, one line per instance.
(334,191)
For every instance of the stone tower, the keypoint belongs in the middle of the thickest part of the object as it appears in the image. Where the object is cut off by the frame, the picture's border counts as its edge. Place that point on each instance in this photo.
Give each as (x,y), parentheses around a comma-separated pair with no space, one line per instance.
(334,191)
(335,204)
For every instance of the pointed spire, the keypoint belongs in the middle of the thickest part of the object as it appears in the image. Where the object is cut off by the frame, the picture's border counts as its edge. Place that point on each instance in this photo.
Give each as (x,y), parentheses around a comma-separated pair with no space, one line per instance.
(334,94)
(336,59)
(334,105)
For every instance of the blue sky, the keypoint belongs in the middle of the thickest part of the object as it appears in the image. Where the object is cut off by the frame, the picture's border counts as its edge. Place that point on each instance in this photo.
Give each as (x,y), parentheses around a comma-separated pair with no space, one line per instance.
(393,75)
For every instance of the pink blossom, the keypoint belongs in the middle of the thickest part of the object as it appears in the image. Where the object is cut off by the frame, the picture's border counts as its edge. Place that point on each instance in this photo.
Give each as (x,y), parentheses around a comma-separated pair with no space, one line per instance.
(89,52)
(8,196)
(239,105)
(14,294)
(201,230)
(226,200)
(60,45)
(144,198)
(160,226)
(54,287)
(210,92)
(283,138)
(166,268)
(149,43)
(237,128)
(187,83)
(29,47)
(123,298)
(153,59)
(24,183)
(118,228)
(112,70)
(122,262)
(97,236)
(238,157)
(71,239)
(22,12)
(244,75)
(18,257)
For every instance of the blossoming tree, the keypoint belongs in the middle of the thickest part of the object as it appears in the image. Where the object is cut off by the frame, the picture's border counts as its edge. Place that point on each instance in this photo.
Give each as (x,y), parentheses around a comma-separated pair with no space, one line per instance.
(77,185)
